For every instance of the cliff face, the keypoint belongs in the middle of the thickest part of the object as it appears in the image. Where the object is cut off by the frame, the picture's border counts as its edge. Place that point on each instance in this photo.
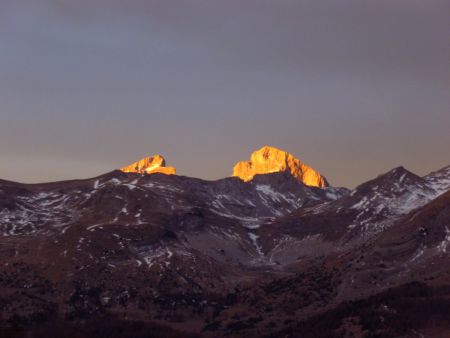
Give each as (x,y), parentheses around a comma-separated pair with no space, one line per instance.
(150,165)
(269,160)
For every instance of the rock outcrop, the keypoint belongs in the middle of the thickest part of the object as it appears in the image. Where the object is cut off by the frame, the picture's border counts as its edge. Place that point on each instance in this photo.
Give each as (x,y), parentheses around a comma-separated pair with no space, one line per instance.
(150,165)
(270,160)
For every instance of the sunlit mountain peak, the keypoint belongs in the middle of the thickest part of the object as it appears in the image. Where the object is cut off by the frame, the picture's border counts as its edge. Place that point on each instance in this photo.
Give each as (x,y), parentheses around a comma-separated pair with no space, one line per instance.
(270,159)
(150,165)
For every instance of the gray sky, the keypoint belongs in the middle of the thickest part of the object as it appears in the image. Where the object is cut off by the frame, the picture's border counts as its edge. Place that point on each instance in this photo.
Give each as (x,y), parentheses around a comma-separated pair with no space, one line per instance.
(351,87)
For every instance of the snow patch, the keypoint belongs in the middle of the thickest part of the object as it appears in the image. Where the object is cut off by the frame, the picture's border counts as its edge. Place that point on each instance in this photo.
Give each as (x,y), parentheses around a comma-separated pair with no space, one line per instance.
(442,247)
(254,238)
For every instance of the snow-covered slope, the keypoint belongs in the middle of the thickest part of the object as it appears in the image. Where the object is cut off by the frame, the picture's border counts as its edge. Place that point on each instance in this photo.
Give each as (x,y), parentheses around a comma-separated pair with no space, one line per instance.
(439,180)
(354,218)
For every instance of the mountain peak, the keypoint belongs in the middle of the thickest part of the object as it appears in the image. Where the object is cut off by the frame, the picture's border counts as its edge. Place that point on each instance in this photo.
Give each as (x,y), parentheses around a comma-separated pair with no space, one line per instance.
(400,174)
(270,160)
(150,165)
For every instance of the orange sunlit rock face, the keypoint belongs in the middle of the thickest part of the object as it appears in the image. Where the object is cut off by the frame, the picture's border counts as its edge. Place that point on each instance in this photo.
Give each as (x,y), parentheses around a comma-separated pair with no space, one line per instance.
(150,165)
(270,160)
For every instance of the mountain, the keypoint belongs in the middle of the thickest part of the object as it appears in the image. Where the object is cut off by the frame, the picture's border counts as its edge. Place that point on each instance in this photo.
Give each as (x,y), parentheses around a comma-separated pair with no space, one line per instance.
(150,165)
(270,160)
(357,217)
(126,253)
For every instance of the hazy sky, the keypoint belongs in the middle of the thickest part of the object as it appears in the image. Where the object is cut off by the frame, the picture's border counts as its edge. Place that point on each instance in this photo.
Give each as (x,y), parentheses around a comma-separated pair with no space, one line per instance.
(352,87)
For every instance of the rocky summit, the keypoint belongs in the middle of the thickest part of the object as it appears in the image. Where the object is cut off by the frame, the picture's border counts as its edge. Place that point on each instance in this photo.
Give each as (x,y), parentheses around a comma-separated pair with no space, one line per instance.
(150,165)
(271,160)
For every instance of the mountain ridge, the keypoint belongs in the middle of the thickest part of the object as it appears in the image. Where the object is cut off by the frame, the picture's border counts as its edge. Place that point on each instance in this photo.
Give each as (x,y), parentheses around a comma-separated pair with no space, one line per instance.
(217,258)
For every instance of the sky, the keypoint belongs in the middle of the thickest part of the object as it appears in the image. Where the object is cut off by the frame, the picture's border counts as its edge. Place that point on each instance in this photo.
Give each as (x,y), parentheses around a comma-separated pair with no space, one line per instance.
(353,88)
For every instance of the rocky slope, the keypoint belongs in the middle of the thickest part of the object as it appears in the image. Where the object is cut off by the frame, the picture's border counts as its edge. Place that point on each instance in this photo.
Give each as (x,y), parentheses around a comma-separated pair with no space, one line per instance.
(178,256)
